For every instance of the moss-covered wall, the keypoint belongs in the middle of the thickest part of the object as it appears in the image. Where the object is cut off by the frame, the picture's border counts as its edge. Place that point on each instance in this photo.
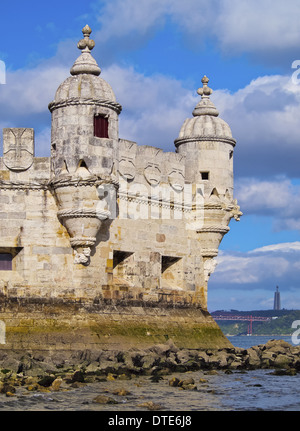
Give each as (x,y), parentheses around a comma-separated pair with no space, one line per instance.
(69,326)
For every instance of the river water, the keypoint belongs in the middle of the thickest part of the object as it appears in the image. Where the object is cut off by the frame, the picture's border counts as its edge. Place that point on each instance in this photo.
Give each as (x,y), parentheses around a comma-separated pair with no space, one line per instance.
(240,391)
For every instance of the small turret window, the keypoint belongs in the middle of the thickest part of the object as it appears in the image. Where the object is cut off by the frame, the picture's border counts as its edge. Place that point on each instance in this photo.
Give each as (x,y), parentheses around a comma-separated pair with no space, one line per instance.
(205,175)
(100,126)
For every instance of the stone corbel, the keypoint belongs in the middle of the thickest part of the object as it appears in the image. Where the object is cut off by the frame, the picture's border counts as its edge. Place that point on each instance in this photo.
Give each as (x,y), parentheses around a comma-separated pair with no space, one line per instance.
(209,266)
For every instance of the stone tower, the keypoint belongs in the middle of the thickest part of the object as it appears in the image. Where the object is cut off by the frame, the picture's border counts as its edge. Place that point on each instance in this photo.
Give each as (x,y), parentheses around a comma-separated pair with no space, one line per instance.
(207,144)
(108,242)
(277,304)
(84,137)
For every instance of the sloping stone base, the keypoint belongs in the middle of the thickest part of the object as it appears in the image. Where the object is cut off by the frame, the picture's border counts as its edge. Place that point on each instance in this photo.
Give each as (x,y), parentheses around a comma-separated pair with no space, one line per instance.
(39,324)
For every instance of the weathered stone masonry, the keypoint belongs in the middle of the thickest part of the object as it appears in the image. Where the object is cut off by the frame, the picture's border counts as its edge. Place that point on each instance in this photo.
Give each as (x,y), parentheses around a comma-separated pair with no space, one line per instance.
(108,239)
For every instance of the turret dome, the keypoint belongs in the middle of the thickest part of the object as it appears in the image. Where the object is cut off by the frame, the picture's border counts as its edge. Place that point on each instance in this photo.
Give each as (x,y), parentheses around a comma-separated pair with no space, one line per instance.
(206,123)
(85,84)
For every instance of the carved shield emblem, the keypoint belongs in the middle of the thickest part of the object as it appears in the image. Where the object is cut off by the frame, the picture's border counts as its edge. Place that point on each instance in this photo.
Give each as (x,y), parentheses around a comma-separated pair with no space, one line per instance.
(18,148)
(175,169)
(151,158)
(176,179)
(127,168)
(152,173)
(127,153)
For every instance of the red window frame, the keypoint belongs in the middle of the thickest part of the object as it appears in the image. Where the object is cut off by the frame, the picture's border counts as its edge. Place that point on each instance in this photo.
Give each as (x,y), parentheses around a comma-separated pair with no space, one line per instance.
(100,126)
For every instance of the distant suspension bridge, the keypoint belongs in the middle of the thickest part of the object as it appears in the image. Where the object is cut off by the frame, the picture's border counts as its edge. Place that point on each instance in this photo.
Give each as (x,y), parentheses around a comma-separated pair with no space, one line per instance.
(249,319)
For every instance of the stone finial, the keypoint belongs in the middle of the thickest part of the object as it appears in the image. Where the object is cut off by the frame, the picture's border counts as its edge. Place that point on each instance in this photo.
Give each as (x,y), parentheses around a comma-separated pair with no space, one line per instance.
(205,91)
(205,106)
(86,44)
(86,63)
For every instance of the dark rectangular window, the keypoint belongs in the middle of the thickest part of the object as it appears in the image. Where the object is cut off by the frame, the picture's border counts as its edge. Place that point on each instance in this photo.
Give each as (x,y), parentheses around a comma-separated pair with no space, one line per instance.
(167,261)
(120,256)
(5,262)
(205,175)
(100,126)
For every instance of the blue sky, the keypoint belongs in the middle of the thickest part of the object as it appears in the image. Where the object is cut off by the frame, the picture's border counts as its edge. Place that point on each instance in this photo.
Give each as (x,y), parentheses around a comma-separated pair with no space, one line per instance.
(154,54)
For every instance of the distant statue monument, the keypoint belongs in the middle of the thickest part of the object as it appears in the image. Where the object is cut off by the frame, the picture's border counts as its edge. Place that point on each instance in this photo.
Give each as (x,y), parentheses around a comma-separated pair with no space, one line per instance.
(277,299)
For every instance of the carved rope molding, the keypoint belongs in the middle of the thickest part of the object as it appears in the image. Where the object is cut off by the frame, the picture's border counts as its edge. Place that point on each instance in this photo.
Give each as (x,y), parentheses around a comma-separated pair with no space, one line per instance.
(159,203)
(83,213)
(209,252)
(81,242)
(214,229)
(180,141)
(23,185)
(70,181)
(75,101)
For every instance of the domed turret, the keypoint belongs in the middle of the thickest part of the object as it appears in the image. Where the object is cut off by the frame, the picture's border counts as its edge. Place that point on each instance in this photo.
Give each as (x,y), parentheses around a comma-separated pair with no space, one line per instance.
(84,117)
(207,142)
(206,122)
(84,141)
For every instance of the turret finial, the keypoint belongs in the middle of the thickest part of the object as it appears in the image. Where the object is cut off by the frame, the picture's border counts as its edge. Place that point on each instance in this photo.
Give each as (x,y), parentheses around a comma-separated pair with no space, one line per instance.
(205,106)
(205,91)
(86,44)
(85,63)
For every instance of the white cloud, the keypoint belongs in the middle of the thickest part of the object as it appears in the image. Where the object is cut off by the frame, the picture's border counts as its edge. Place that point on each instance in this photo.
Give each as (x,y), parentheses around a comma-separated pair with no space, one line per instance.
(29,91)
(25,97)
(263,268)
(284,247)
(266,27)
(247,269)
(264,117)
(278,198)
(259,25)
(120,18)
(154,108)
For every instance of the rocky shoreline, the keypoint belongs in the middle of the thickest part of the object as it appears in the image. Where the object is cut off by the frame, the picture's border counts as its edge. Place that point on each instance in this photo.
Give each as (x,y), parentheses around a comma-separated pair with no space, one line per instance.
(44,373)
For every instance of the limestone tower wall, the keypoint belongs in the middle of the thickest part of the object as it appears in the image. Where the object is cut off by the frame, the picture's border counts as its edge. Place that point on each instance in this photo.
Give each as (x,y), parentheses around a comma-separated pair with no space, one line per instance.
(114,239)
(105,217)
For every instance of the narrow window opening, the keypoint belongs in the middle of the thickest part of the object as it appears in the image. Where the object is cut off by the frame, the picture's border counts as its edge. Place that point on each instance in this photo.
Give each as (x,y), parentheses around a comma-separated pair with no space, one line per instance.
(123,269)
(100,126)
(6,262)
(65,167)
(172,274)
(230,155)
(167,262)
(82,164)
(205,175)
(119,257)
(214,193)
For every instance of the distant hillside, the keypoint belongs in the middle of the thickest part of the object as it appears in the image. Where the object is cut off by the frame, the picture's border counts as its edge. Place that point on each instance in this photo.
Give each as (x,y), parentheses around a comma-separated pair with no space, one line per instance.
(280,324)
(263,313)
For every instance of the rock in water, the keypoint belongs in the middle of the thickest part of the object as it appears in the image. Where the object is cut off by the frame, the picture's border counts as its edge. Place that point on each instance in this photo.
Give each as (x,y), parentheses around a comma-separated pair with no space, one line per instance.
(103,399)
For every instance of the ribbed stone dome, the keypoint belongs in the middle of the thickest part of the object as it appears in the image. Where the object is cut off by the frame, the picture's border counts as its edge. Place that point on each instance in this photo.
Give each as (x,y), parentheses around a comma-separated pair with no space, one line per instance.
(205,126)
(85,86)
(205,122)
